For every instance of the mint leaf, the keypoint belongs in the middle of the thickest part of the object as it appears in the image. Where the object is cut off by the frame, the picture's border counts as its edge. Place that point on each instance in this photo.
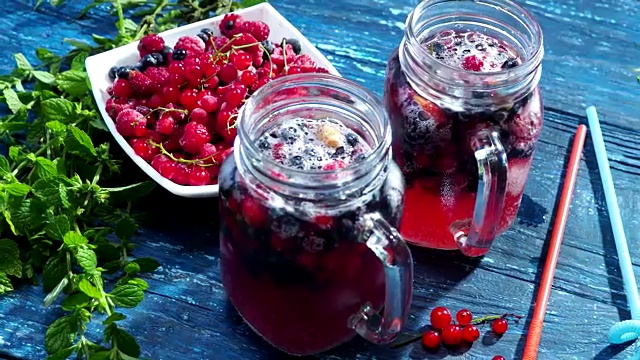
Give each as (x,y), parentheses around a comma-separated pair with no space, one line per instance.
(101,355)
(10,258)
(147,265)
(79,142)
(62,354)
(143,285)
(78,62)
(5,284)
(127,296)
(113,318)
(87,260)
(45,55)
(45,168)
(75,301)
(17,189)
(126,343)
(54,271)
(12,100)
(57,228)
(74,239)
(132,268)
(60,334)
(87,287)
(45,77)
(22,62)
(57,109)
(73,82)
(57,127)
(125,228)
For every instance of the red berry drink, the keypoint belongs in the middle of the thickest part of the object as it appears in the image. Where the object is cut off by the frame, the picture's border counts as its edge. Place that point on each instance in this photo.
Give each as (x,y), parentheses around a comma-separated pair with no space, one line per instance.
(295,263)
(466,114)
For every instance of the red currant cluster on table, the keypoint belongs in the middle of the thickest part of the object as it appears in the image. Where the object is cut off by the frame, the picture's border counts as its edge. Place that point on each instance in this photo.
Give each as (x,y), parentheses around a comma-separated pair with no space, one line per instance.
(445,331)
(178,106)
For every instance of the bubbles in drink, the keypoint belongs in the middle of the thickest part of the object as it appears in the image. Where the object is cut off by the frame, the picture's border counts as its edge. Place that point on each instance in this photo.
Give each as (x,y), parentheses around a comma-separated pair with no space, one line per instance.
(472,51)
(313,144)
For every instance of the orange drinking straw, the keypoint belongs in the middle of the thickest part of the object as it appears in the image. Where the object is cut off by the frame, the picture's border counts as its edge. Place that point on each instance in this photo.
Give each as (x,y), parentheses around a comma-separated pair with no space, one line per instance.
(535,327)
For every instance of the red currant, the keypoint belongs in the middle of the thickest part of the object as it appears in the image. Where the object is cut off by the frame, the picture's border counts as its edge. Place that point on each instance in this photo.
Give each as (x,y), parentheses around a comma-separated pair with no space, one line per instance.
(470,333)
(189,99)
(208,103)
(199,115)
(164,165)
(155,101)
(452,334)
(500,326)
(193,74)
(199,176)
(171,94)
(440,317)
(235,96)
(176,80)
(464,317)
(228,73)
(431,339)
(166,124)
(122,88)
(240,59)
(211,82)
(248,77)
(499,357)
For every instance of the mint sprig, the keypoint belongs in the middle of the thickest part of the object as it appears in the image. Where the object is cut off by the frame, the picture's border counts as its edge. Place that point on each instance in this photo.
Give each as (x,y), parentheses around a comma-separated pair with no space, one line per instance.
(61,218)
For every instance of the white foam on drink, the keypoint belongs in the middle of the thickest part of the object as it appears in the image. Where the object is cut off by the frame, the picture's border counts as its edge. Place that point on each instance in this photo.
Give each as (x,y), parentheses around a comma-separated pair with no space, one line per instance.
(302,145)
(452,48)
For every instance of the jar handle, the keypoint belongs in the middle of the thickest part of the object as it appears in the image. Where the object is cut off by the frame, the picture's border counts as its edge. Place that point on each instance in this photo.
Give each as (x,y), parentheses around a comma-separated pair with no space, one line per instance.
(492,183)
(387,244)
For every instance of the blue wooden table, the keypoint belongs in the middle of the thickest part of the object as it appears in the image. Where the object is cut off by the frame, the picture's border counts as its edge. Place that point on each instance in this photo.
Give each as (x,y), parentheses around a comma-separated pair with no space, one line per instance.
(591,51)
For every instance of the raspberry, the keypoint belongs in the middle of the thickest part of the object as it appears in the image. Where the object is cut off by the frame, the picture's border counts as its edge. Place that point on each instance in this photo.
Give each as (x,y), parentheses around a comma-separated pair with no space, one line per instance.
(182,174)
(144,149)
(255,214)
(472,63)
(193,45)
(164,165)
(131,123)
(199,176)
(158,76)
(219,43)
(150,44)
(334,165)
(258,29)
(221,155)
(230,25)
(114,108)
(278,56)
(141,84)
(206,153)
(122,88)
(194,137)
(303,60)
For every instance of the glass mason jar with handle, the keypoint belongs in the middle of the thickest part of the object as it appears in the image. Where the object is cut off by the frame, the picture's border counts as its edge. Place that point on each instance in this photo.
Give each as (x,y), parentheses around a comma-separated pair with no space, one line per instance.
(310,257)
(462,94)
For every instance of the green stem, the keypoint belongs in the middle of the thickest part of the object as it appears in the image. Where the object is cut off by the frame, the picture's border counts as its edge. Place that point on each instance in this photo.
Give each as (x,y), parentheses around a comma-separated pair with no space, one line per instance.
(25,162)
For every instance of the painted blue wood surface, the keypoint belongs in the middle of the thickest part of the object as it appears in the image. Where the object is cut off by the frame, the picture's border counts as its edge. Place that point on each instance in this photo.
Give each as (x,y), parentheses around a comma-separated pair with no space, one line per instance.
(591,51)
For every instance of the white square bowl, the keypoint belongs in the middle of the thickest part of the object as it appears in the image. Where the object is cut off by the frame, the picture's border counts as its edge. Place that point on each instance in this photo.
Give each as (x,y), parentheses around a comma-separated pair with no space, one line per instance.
(98,67)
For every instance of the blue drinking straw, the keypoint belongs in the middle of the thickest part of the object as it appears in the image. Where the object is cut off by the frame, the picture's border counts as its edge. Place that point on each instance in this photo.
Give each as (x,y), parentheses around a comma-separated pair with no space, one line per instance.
(629,329)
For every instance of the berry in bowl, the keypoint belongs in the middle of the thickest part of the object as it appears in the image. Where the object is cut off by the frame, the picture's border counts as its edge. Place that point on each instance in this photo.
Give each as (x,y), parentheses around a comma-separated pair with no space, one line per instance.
(171,99)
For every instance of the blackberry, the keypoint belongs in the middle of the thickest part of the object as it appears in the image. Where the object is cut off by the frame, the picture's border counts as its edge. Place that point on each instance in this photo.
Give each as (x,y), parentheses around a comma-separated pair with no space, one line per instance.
(207,31)
(203,37)
(438,48)
(179,54)
(339,151)
(352,139)
(123,72)
(510,64)
(166,52)
(295,44)
(112,72)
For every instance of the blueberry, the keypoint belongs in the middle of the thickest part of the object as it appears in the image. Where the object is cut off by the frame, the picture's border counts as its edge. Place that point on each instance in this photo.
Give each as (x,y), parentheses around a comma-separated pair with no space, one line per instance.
(158,58)
(295,44)
(207,31)
(273,134)
(297,162)
(123,72)
(203,37)
(112,72)
(352,139)
(140,67)
(166,51)
(510,64)
(179,54)
(438,48)
(289,134)
(360,158)
(339,151)
(263,144)
(481,47)
(268,47)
